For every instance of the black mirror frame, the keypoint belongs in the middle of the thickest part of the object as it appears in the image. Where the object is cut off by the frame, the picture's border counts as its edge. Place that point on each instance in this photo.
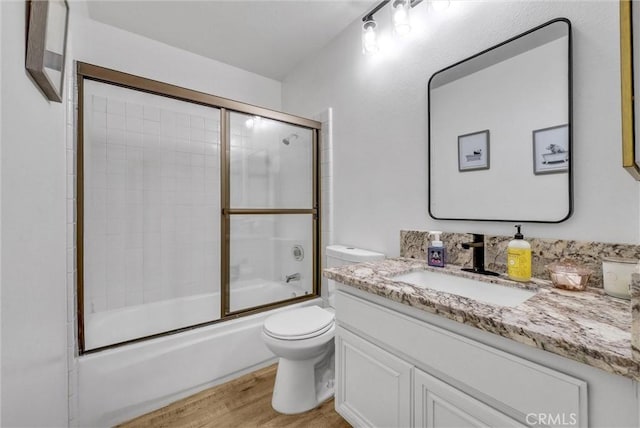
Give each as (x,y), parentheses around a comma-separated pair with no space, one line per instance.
(570,123)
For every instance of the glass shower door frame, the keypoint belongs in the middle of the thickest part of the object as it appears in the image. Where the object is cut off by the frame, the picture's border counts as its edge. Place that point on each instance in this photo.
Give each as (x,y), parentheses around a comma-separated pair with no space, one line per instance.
(90,72)
(228,213)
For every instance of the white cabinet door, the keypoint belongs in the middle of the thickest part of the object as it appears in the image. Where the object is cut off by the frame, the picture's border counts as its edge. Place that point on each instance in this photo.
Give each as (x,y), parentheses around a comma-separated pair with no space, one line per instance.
(439,405)
(373,387)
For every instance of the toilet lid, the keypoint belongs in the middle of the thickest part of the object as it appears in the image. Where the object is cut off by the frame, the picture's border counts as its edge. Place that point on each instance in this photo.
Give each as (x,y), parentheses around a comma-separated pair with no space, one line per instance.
(301,323)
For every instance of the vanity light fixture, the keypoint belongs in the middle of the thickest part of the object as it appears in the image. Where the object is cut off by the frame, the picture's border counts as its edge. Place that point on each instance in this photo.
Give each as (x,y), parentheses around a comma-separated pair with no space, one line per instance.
(369,38)
(400,17)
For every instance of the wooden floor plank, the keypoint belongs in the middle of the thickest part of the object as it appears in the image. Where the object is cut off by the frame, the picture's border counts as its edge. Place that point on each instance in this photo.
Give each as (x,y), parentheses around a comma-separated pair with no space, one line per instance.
(243,402)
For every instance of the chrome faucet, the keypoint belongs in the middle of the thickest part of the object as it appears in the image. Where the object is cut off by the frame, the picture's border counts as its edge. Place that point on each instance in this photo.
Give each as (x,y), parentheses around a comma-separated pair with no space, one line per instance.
(292,277)
(478,255)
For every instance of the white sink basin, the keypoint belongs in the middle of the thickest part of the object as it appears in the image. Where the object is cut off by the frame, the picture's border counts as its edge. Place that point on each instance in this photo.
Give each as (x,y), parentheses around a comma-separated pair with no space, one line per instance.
(494,294)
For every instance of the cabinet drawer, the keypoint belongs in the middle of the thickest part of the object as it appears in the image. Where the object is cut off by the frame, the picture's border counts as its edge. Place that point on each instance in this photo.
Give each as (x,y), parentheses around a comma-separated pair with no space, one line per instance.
(440,405)
(512,384)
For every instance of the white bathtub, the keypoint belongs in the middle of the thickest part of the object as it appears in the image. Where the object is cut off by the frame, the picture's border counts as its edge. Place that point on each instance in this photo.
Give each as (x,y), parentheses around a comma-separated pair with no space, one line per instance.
(133,322)
(118,384)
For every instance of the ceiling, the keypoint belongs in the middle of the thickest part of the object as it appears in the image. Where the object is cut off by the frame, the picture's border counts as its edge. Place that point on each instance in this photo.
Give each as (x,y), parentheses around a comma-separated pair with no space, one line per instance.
(267,37)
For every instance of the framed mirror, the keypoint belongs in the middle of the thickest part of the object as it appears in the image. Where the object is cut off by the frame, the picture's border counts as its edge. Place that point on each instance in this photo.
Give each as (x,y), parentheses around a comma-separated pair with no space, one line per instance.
(629,21)
(500,131)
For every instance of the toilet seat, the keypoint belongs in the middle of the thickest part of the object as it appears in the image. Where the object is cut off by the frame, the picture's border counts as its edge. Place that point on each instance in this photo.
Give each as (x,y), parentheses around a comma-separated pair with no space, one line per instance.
(299,324)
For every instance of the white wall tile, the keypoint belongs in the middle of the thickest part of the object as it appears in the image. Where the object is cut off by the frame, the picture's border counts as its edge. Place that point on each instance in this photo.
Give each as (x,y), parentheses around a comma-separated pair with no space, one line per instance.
(152,181)
(151,127)
(115,107)
(97,135)
(197,135)
(133,110)
(71,162)
(151,141)
(133,124)
(99,120)
(197,122)
(99,103)
(151,113)
(182,132)
(182,120)
(115,122)
(115,136)
(211,124)
(71,211)
(134,139)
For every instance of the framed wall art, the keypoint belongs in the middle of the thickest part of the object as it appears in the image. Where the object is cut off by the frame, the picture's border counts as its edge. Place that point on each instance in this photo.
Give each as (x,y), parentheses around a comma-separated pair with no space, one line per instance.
(473,151)
(46,45)
(551,150)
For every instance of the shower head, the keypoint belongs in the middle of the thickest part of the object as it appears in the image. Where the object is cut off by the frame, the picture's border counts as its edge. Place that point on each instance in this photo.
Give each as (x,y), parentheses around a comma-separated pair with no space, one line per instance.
(288,139)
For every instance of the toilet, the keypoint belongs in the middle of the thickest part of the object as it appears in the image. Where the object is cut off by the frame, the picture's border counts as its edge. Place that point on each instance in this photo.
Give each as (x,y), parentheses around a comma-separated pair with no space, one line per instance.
(302,338)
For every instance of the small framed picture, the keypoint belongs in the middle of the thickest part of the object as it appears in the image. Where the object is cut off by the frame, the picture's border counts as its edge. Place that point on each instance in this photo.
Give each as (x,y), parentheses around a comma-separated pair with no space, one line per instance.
(473,151)
(551,150)
(46,45)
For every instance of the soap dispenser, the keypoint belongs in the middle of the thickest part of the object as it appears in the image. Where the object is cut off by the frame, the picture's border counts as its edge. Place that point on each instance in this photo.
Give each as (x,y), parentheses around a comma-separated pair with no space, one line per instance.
(436,253)
(519,257)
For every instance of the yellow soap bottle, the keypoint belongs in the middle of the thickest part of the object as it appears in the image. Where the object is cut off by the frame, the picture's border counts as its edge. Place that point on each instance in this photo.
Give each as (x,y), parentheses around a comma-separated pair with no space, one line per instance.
(519,258)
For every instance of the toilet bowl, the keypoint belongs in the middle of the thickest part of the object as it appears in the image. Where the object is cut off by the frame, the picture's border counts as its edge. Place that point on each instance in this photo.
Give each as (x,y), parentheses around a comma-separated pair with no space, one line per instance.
(302,338)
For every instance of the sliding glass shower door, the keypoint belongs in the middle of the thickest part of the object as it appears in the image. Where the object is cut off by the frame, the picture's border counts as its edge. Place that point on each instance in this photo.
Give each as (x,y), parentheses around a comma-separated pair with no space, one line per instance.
(271,213)
(191,208)
(150,215)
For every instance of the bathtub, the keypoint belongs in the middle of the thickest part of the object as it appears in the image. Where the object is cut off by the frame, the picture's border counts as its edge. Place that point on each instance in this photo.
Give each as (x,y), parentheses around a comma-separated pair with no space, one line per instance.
(133,322)
(118,384)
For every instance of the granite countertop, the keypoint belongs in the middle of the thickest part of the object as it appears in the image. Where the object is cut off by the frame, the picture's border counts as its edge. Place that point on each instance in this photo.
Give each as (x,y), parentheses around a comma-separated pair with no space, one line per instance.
(588,326)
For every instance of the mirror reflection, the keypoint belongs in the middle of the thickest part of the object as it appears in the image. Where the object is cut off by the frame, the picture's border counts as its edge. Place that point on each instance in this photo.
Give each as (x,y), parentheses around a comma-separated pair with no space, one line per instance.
(500,131)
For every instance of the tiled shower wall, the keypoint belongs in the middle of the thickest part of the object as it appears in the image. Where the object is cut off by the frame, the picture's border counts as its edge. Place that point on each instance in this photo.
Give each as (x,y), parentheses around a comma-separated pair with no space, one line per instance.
(151,198)
(326,193)
(266,172)
(70,91)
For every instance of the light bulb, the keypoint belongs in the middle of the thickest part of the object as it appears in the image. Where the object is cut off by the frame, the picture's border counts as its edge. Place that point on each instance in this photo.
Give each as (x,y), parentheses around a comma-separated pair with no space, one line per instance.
(401,18)
(369,39)
(439,5)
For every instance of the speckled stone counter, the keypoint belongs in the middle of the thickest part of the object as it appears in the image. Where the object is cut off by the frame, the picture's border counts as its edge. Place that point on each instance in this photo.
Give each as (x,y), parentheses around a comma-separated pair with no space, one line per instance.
(588,326)
(635,316)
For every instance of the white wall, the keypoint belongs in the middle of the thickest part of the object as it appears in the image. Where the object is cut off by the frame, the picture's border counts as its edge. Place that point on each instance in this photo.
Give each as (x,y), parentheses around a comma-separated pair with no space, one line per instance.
(33,207)
(110,47)
(380,130)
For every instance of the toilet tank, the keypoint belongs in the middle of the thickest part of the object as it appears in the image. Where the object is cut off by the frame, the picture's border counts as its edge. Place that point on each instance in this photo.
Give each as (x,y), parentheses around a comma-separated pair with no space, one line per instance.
(341,255)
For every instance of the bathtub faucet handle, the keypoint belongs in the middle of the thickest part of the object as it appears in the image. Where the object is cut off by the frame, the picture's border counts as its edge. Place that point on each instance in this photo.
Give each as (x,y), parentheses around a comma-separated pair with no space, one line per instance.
(292,277)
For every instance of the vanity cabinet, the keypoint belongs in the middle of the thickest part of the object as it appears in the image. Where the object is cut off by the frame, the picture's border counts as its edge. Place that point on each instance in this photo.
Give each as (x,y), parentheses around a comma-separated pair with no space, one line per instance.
(393,370)
(375,385)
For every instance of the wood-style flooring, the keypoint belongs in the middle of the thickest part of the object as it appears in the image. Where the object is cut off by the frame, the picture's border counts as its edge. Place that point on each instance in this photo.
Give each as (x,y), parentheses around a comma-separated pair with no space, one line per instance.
(243,402)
